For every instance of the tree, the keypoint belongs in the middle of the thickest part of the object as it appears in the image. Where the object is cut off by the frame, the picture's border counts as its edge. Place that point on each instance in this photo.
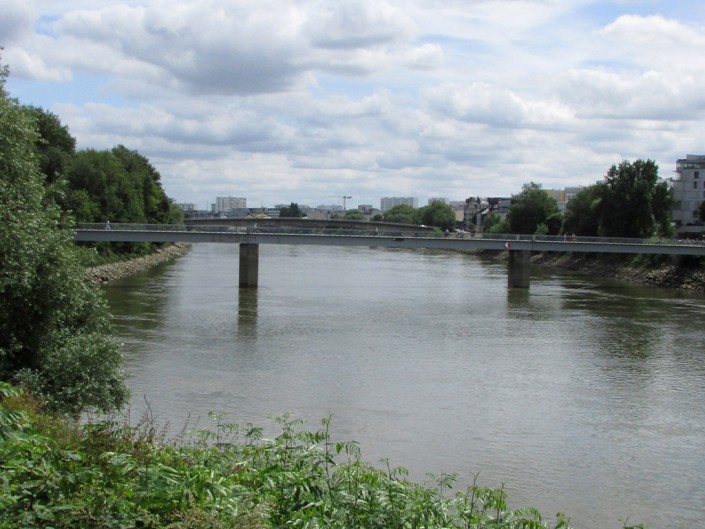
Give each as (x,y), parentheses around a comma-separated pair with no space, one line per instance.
(354,214)
(145,180)
(581,213)
(54,328)
(532,207)
(435,214)
(54,144)
(292,211)
(633,202)
(491,220)
(402,214)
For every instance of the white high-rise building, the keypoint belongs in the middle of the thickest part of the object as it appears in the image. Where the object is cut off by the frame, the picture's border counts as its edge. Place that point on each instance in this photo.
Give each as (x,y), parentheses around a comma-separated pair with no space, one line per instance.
(688,190)
(389,202)
(224,205)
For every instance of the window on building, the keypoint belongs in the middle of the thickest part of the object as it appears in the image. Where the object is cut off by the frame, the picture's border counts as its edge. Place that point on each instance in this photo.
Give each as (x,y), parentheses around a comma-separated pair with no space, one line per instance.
(696,174)
(695,185)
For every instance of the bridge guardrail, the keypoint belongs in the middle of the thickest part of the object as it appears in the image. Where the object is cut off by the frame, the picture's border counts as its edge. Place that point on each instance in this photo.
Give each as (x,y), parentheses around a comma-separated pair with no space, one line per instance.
(391,233)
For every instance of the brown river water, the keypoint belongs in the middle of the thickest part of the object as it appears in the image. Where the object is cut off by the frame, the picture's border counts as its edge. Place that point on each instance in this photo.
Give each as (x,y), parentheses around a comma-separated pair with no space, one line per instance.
(581,396)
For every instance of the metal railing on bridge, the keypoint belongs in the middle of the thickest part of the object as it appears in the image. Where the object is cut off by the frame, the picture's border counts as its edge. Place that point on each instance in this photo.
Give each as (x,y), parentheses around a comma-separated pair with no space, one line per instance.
(422,234)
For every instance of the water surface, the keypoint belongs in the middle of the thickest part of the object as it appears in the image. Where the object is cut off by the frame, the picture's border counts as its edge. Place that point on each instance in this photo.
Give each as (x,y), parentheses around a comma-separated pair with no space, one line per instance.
(581,396)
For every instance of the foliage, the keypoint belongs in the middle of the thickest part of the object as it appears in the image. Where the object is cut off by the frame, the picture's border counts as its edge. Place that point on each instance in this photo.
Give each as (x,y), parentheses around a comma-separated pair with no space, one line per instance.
(633,202)
(55,145)
(403,214)
(292,211)
(435,214)
(120,185)
(112,475)
(581,213)
(354,214)
(54,328)
(493,223)
(531,208)
(93,186)
(11,420)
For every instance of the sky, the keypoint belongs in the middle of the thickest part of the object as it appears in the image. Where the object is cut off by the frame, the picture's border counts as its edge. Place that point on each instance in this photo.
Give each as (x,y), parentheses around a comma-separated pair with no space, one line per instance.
(310,101)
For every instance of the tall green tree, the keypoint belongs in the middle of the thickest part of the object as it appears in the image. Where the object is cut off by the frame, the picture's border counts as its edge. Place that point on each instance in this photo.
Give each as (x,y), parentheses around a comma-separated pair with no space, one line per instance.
(435,214)
(531,208)
(633,202)
(293,210)
(146,181)
(55,144)
(113,191)
(54,328)
(402,214)
(581,216)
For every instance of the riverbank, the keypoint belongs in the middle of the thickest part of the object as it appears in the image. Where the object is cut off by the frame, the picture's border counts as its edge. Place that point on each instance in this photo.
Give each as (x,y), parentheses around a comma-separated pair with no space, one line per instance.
(104,274)
(676,273)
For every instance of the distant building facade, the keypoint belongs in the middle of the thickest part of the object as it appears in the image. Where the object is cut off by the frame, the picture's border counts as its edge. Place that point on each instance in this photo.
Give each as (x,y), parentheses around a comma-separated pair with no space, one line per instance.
(563,196)
(388,203)
(230,205)
(688,188)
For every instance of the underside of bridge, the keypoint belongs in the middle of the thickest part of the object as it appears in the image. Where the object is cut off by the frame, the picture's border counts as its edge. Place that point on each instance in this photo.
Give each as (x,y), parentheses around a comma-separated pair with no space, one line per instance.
(518,267)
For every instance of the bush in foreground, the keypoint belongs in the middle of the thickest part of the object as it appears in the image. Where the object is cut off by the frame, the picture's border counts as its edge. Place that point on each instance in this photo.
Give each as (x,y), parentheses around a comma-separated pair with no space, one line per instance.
(110,475)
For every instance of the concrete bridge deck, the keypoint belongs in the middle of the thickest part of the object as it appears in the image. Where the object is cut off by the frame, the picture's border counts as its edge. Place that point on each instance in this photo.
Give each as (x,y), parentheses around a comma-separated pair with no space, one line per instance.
(249,238)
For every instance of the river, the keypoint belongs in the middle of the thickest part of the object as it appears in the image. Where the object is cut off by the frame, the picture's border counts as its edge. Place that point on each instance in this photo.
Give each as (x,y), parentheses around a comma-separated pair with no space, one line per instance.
(580,396)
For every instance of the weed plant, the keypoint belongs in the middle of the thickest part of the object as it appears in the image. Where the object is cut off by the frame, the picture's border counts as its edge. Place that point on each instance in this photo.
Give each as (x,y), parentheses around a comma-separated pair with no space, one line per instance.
(109,475)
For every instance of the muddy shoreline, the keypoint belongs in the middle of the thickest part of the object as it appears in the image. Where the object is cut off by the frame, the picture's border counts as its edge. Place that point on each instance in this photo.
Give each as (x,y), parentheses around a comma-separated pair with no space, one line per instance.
(686,275)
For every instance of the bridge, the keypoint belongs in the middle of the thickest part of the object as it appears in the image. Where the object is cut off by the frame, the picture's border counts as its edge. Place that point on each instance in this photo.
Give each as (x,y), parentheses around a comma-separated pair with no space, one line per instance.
(250,237)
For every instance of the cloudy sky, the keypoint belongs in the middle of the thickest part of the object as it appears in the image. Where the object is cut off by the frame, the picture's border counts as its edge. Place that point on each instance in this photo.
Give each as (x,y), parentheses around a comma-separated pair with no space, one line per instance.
(308,101)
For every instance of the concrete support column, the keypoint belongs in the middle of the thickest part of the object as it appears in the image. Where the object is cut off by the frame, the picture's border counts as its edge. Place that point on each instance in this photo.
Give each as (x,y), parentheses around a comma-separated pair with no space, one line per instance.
(249,265)
(518,268)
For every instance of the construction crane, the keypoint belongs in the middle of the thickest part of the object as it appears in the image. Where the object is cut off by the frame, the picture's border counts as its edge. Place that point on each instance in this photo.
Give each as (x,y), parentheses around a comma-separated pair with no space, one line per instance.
(344,197)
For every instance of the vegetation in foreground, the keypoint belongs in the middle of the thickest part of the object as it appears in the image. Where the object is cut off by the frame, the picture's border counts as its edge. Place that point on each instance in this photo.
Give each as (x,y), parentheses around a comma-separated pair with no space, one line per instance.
(63,475)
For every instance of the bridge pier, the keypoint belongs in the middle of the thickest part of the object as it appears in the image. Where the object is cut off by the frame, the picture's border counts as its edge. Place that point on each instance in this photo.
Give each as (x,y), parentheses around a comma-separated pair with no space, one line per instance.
(518,268)
(249,265)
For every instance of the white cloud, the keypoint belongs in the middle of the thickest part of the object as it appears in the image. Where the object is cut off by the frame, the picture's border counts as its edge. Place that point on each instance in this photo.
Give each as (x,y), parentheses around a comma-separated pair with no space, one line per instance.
(282,100)
(16,21)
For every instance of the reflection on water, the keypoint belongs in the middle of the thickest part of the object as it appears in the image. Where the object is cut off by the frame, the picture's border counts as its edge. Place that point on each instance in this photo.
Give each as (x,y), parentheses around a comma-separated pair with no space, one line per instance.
(247,314)
(580,396)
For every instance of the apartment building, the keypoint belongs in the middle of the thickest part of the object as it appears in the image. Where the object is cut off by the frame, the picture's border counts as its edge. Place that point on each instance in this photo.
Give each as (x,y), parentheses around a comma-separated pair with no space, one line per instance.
(228,205)
(387,203)
(688,192)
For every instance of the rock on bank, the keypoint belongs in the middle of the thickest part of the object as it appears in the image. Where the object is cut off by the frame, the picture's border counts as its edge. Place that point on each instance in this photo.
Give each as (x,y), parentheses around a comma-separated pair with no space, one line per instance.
(678,273)
(104,274)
